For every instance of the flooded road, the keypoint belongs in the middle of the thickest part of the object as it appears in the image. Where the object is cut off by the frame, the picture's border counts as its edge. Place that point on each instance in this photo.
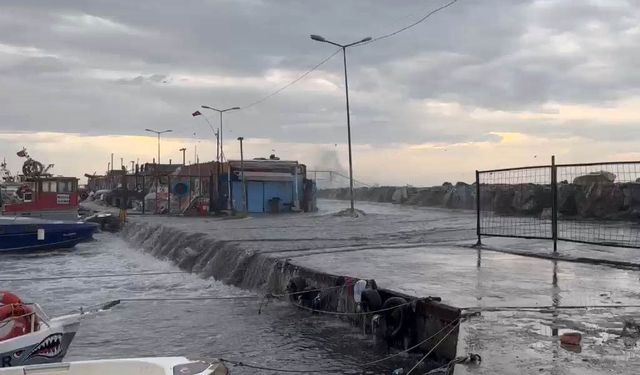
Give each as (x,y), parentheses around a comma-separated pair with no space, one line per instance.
(419,251)
(281,337)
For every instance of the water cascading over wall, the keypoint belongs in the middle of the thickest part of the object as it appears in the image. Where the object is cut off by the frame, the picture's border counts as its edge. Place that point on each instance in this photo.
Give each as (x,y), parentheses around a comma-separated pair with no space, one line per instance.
(230,263)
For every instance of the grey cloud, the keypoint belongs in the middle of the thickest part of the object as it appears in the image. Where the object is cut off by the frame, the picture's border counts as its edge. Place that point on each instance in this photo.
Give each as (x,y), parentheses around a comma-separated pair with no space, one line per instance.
(35,66)
(139,80)
(495,54)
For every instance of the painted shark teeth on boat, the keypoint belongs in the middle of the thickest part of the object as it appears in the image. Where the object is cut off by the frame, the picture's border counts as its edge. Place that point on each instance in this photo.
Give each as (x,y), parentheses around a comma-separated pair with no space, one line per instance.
(49,347)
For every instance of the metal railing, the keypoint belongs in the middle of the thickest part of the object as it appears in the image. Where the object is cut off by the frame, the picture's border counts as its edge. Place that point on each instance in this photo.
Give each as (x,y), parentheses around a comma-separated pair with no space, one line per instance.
(594,203)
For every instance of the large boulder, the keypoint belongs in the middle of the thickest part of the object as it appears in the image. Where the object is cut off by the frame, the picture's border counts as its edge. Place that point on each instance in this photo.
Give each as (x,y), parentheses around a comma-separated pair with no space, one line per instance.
(601,201)
(568,196)
(459,196)
(400,195)
(631,196)
(600,177)
(430,197)
(502,200)
(531,199)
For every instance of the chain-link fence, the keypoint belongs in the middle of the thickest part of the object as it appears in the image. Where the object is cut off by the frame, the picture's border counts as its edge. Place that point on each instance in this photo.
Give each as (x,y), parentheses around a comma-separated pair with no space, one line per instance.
(596,203)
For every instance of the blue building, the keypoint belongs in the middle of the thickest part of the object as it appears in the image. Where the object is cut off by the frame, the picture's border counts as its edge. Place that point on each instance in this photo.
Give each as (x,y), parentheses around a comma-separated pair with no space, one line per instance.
(272,186)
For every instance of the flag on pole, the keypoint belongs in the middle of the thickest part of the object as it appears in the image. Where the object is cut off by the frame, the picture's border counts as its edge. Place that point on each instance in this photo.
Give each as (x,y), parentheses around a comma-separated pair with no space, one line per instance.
(196,113)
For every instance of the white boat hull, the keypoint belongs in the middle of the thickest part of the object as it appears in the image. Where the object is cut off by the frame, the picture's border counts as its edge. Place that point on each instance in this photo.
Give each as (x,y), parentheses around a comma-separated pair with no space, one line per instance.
(133,366)
(47,345)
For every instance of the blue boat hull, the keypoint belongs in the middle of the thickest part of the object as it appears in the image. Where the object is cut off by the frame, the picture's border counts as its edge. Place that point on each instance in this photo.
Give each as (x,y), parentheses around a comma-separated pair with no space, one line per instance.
(23,234)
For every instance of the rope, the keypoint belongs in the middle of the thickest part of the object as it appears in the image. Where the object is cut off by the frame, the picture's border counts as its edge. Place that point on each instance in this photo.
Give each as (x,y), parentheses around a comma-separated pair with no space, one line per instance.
(200,298)
(411,348)
(304,291)
(469,358)
(432,349)
(271,295)
(258,367)
(339,313)
(366,364)
(92,276)
(550,307)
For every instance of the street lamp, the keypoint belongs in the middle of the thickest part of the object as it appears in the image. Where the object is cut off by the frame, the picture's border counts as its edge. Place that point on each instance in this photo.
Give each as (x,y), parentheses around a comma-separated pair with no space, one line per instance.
(215,132)
(221,111)
(158,133)
(319,38)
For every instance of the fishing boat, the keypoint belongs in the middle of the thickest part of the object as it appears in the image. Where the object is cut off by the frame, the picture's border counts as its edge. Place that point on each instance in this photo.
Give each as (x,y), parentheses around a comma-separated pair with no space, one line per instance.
(132,366)
(18,234)
(29,336)
(38,193)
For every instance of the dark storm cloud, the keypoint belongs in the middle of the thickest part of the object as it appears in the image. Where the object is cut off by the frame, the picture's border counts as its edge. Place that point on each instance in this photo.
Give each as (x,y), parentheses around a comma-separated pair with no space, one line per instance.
(117,67)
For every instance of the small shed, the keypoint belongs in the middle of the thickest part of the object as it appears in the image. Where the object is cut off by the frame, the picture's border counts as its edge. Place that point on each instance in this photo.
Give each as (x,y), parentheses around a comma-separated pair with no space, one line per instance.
(271,186)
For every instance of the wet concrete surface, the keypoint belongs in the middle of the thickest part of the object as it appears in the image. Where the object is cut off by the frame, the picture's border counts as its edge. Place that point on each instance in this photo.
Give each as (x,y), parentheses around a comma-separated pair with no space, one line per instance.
(423,251)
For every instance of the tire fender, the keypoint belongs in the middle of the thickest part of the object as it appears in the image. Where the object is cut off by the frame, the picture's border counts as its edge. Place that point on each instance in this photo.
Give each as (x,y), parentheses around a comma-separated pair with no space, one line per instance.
(394,318)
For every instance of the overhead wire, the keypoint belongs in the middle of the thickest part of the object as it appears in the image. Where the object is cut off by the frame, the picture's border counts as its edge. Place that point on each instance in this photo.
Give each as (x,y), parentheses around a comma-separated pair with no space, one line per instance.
(389,35)
(303,75)
(315,67)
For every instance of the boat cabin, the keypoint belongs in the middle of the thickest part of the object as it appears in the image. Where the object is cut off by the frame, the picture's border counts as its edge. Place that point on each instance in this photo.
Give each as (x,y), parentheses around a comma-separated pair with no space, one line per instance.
(45,197)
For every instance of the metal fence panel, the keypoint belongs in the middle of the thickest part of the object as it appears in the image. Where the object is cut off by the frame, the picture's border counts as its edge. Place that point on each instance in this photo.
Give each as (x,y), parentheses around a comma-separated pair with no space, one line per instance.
(515,202)
(599,203)
(594,203)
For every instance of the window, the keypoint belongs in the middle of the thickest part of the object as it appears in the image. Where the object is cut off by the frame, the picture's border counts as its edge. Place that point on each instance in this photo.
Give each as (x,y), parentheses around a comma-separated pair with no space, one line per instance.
(28,197)
(64,186)
(49,186)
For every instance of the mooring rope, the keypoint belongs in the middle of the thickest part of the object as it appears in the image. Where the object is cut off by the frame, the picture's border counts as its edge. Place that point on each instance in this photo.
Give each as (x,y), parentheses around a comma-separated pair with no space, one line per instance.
(365,364)
(548,307)
(259,367)
(411,348)
(433,348)
(93,276)
(346,313)
(197,298)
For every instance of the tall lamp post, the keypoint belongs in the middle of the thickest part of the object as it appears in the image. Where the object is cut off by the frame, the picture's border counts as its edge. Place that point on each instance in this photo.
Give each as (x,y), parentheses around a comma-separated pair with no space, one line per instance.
(344,47)
(158,133)
(220,137)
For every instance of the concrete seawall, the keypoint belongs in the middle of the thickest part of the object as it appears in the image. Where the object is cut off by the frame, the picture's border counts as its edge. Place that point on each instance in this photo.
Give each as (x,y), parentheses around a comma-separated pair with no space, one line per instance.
(241,264)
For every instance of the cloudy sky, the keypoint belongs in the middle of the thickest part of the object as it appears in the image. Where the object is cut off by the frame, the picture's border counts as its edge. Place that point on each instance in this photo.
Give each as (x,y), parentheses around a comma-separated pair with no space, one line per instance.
(482,84)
